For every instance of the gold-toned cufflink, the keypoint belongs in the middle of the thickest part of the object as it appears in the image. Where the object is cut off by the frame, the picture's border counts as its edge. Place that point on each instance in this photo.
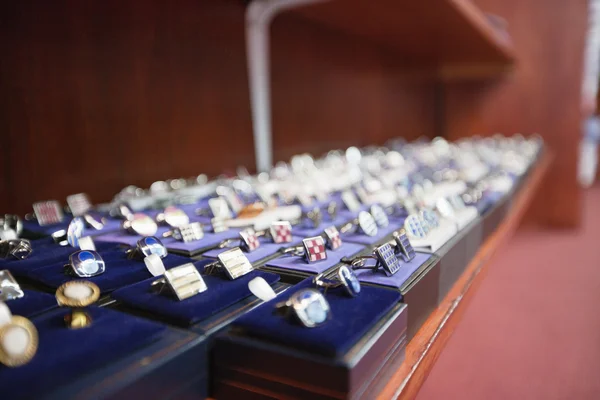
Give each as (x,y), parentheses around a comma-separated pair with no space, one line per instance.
(77,295)
(18,341)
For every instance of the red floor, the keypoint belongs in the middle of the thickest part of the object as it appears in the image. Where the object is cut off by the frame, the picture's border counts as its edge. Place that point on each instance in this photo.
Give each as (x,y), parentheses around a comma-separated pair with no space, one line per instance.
(532,331)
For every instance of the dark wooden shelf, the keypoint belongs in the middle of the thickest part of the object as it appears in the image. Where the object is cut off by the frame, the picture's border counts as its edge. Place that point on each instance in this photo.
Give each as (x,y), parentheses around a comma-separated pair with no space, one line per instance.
(451,39)
(426,346)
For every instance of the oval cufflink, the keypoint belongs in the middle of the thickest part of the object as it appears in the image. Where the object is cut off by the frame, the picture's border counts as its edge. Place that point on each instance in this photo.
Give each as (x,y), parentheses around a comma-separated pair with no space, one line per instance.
(15,248)
(311,250)
(343,277)
(414,227)
(140,224)
(18,341)
(379,215)
(85,264)
(77,295)
(308,306)
(429,218)
(173,216)
(147,246)
(364,223)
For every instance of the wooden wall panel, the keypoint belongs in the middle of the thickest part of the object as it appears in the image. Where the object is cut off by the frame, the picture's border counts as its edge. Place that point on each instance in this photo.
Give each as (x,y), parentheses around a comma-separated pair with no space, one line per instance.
(100,94)
(543,95)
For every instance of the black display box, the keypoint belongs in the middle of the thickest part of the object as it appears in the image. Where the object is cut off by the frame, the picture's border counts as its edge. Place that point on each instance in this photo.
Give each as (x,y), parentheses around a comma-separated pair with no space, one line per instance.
(249,367)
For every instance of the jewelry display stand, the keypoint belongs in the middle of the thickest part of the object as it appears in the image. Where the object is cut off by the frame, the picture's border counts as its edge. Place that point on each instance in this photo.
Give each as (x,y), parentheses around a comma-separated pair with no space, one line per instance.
(437,237)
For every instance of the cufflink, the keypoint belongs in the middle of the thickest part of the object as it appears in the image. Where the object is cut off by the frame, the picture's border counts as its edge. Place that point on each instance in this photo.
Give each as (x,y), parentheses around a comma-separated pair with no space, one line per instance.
(379,215)
(9,287)
(384,256)
(85,264)
(186,233)
(18,341)
(48,212)
(218,207)
(11,222)
(248,241)
(311,218)
(233,262)
(429,218)
(365,223)
(147,246)
(173,216)
(75,231)
(17,248)
(77,295)
(219,225)
(457,202)
(308,306)
(279,232)
(414,227)
(332,210)
(183,282)
(312,250)
(121,211)
(403,246)
(444,207)
(344,277)
(333,239)
(79,204)
(140,224)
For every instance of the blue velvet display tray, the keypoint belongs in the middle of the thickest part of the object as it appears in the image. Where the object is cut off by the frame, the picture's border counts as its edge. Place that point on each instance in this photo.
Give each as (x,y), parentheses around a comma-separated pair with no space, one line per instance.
(396,280)
(119,271)
(333,257)
(45,252)
(221,294)
(266,249)
(351,319)
(32,303)
(65,354)
(382,233)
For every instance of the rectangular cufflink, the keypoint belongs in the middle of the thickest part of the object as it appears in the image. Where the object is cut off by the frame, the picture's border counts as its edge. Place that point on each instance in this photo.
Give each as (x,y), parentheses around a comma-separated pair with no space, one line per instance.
(189,233)
(281,231)
(387,259)
(404,246)
(219,208)
(184,281)
(235,263)
(79,204)
(48,212)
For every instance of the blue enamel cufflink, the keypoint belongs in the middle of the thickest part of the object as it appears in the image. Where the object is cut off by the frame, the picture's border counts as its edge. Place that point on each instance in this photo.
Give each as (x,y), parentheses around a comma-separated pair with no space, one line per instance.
(85,264)
(308,306)
(344,277)
(147,246)
(384,256)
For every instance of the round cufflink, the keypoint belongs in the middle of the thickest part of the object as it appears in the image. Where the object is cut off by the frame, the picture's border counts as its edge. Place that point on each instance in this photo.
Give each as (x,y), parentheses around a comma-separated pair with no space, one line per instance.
(15,248)
(85,264)
(429,218)
(18,341)
(379,215)
(308,306)
(173,216)
(311,250)
(77,295)
(364,223)
(147,246)
(344,277)
(140,224)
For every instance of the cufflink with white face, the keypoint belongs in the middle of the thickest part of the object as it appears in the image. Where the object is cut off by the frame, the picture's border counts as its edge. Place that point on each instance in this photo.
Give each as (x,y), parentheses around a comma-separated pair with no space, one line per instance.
(140,224)
(414,227)
(233,263)
(18,341)
(77,295)
(364,223)
(183,282)
(173,216)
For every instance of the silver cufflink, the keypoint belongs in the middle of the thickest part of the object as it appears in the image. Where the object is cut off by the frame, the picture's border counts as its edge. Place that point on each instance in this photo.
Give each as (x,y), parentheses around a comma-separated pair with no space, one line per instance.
(403,246)
(9,287)
(333,240)
(183,282)
(85,264)
(11,222)
(48,212)
(311,218)
(344,277)
(186,233)
(233,263)
(379,215)
(140,224)
(173,217)
(312,250)
(247,240)
(147,246)
(309,306)
(79,204)
(17,248)
(364,223)
(384,256)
